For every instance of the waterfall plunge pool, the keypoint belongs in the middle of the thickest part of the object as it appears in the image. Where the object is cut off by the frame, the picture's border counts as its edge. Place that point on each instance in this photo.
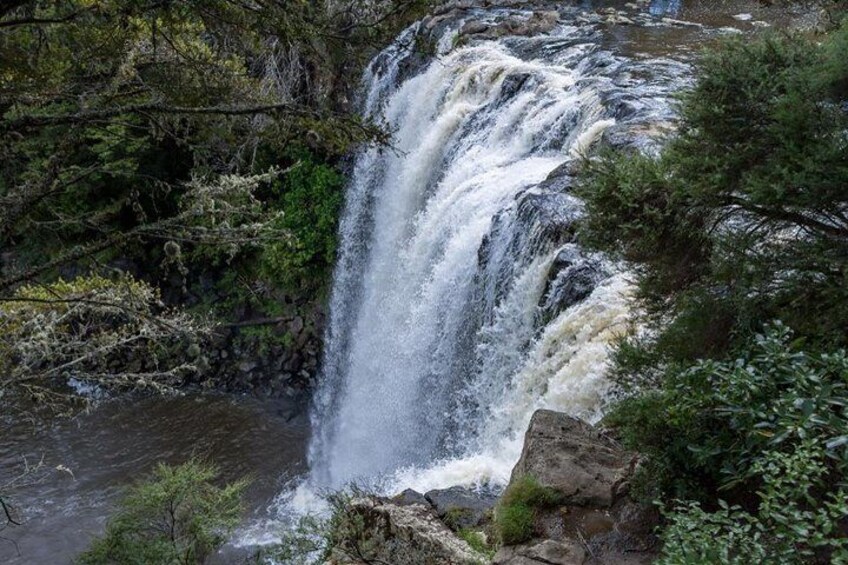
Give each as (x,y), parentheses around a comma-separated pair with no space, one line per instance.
(122,440)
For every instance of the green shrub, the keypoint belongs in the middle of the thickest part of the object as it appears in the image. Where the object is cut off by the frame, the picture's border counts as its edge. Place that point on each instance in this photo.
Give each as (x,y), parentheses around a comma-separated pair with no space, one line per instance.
(795,523)
(478,542)
(708,426)
(310,197)
(514,523)
(177,516)
(516,511)
(527,490)
(455,516)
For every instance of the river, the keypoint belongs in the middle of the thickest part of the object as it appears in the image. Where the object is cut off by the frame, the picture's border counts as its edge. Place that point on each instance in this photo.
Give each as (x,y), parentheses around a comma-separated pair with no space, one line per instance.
(118,442)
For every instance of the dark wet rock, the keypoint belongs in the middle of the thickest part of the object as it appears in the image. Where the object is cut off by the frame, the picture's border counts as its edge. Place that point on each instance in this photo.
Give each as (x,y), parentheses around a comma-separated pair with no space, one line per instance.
(561,179)
(412,65)
(474,27)
(588,18)
(573,458)
(547,552)
(637,519)
(448,7)
(513,84)
(296,325)
(572,278)
(384,532)
(408,497)
(551,214)
(461,507)
(618,19)
(537,23)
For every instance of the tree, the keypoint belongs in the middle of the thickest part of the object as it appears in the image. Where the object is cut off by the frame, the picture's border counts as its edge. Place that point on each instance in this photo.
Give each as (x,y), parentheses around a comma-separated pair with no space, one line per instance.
(177,516)
(744,217)
(157,131)
(114,332)
(109,107)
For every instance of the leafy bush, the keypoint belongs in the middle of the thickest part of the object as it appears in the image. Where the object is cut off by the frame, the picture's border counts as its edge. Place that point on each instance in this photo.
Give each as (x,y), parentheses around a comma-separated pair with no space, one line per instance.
(794,524)
(514,523)
(177,516)
(709,426)
(697,537)
(456,516)
(478,542)
(516,511)
(310,197)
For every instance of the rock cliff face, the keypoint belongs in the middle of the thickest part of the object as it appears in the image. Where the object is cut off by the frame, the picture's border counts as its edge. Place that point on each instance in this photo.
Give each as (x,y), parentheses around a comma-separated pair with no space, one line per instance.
(596,522)
(571,457)
(544,552)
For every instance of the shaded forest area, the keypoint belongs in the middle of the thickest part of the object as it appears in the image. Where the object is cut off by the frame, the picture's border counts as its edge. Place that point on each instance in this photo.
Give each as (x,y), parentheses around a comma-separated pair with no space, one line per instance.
(171,180)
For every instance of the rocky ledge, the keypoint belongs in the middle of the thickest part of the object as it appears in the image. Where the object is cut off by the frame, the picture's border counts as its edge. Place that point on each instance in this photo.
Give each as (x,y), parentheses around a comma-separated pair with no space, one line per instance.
(376,530)
(592,522)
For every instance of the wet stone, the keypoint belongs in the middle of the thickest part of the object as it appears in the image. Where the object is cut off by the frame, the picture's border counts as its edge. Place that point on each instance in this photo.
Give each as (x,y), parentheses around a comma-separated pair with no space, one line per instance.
(408,497)
(461,507)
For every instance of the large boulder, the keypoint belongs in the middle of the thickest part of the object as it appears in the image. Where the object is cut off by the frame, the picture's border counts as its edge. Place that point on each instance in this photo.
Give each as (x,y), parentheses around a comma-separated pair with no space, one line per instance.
(375,530)
(409,497)
(573,458)
(595,522)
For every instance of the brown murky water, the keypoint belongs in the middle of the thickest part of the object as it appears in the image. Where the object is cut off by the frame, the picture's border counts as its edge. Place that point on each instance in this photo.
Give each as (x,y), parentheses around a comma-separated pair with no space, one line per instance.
(120,441)
(713,19)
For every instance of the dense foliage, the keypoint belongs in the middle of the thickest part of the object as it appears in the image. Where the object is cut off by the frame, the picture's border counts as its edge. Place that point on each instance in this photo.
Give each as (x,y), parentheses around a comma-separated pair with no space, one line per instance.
(166,140)
(310,198)
(735,374)
(743,218)
(177,516)
(798,520)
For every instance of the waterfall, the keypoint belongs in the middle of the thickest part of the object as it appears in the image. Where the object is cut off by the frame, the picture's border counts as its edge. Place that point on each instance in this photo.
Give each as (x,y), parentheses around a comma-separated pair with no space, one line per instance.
(461,300)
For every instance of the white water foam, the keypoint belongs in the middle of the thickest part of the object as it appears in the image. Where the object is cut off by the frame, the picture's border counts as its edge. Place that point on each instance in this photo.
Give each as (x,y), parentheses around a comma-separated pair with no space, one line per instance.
(442,339)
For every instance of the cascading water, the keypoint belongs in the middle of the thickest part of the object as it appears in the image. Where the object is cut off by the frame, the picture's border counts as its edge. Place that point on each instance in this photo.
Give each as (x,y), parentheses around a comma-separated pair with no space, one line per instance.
(461,301)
